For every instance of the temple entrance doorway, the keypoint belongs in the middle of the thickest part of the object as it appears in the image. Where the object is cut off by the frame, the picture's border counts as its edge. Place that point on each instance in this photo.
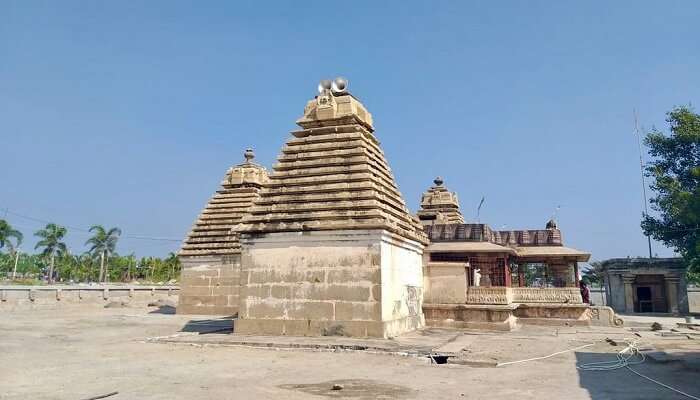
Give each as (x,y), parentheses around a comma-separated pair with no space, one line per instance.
(644,299)
(649,294)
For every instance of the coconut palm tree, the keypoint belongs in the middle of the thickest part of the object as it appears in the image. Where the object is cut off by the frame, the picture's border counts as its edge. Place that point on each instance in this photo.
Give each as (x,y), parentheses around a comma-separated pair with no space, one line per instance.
(51,243)
(85,263)
(103,243)
(7,232)
(173,263)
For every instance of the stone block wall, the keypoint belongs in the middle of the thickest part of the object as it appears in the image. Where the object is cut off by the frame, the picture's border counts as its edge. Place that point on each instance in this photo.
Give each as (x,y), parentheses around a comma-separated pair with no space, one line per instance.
(401,285)
(210,285)
(355,283)
(445,282)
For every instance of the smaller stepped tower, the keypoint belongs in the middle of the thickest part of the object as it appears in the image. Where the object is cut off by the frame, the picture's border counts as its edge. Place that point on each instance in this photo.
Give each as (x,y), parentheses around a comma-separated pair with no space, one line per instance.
(439,206)
(211,253)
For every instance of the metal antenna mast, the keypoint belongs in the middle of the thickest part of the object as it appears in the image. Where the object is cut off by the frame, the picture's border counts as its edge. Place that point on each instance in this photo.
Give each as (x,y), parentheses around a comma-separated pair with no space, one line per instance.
(641,170)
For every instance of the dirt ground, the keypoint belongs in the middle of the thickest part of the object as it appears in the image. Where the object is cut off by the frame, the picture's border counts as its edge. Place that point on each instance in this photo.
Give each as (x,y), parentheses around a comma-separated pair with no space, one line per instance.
(82,353)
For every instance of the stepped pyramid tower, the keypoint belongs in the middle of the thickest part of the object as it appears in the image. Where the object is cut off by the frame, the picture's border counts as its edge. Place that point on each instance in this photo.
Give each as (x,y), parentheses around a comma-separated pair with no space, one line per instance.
(211,253)
(330,247)
(439,206)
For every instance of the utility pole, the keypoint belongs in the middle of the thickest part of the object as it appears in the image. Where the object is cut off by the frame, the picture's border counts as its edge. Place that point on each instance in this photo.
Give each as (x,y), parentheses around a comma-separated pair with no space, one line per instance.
(14,271)
(641,170)
(478,209)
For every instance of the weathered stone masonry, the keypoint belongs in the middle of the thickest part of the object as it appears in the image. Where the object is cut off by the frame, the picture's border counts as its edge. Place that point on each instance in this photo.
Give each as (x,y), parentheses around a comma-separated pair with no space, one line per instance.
(330,247)
(211,254)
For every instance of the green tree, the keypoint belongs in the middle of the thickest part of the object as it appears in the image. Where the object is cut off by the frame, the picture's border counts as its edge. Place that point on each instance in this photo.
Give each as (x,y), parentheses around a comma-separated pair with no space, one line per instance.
(103,243)
(7,232)
(675,170)
(51,244)
(173,263)
(594,274)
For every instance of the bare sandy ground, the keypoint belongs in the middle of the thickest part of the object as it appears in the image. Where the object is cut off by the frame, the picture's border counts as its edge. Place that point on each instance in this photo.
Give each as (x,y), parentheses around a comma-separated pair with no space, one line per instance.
(78,354)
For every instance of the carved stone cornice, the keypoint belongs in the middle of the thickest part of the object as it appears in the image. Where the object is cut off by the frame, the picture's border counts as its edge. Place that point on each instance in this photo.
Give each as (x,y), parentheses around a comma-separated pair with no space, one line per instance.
(488,295)
(567,295)
(523,295)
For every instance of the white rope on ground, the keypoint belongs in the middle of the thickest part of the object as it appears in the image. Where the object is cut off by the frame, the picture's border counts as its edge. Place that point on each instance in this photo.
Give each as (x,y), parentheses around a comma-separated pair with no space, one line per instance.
(623,361)
(664,385)
(542,358)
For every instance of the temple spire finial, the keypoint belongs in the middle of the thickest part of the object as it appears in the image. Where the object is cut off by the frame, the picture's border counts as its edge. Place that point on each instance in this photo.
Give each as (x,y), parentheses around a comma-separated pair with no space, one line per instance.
(249,155)
(438,181)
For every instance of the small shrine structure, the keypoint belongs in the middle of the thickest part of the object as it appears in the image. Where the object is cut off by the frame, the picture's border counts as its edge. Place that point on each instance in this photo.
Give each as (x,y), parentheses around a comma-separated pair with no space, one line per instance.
(646,285)
(479,277)
(211,253)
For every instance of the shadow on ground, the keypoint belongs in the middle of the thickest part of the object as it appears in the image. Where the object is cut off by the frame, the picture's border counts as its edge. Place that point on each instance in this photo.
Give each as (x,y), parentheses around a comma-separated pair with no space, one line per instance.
(204,326)
(624,384)
(166,309)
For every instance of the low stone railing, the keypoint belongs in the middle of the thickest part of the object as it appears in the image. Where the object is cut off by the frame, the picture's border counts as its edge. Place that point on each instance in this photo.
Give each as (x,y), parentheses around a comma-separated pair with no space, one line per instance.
(509,295)
(16,296)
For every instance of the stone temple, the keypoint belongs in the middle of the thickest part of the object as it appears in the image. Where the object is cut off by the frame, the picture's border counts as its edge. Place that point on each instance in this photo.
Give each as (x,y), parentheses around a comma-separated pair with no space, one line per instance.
(211,254)
(325,245)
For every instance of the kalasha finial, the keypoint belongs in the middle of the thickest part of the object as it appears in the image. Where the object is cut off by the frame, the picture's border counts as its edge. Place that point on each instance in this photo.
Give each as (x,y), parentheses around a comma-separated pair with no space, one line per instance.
(438,181)
(249,155)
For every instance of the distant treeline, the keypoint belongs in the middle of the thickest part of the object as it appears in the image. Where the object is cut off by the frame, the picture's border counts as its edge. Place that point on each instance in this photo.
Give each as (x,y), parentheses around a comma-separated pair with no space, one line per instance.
(54,262)
(86,268)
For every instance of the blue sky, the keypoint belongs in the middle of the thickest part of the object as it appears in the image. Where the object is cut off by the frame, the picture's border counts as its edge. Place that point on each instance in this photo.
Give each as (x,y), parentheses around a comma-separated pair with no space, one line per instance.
(128,113)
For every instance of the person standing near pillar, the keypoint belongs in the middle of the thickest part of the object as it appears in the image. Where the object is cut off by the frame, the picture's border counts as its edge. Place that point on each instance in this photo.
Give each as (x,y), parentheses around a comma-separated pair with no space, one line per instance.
(585,292)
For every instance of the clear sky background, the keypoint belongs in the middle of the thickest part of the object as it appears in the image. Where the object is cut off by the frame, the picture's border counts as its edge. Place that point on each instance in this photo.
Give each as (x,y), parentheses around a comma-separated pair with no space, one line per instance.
(128,113)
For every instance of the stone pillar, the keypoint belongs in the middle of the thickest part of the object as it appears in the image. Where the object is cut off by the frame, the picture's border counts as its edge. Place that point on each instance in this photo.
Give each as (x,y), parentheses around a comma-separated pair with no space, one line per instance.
(521,275)
(628,279)
(672,293)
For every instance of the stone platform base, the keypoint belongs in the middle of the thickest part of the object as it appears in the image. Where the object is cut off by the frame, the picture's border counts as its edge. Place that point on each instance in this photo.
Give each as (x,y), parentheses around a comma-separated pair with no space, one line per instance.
(306,327)
(364,283)
(577,312)
(470,316)
(505,317)
(605,316)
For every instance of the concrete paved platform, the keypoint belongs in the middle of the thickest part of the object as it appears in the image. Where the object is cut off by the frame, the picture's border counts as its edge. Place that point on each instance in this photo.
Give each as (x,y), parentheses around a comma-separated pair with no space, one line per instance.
(416,343)
(78,354)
